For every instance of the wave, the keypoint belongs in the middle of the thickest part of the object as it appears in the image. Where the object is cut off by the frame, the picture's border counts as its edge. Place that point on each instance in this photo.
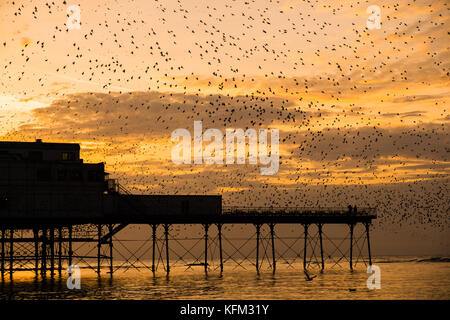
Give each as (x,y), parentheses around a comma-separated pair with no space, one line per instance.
(435,259)
(396,261)
(432,259)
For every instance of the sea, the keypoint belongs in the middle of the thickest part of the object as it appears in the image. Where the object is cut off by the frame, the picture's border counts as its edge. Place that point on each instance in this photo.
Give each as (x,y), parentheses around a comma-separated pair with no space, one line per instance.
(400,277)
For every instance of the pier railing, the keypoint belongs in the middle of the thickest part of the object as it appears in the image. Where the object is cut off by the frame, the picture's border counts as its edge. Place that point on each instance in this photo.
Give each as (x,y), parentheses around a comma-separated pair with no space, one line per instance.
(297,211)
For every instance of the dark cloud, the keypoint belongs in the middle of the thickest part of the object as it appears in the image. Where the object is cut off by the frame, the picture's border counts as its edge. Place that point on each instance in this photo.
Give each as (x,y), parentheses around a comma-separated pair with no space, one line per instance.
(416,98)
(129,118)
(427,141)
(404,114)
(398,168)
(155,114)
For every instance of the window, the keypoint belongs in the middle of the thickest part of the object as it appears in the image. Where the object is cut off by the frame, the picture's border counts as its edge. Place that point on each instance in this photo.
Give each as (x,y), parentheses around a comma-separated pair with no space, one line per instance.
(68,156)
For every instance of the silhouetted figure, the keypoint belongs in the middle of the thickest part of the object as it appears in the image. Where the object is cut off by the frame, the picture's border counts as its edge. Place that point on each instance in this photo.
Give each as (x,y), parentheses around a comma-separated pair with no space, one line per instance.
(349,208)
(355,210)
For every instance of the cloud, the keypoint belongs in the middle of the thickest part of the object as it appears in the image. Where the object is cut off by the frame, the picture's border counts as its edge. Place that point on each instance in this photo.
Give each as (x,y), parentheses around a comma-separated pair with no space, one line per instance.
(404,114)
(154,114)
(135,126)
(416,98)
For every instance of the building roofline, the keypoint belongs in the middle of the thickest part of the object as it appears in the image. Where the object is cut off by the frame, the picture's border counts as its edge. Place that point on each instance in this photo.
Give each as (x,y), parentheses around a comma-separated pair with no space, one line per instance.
(37,144)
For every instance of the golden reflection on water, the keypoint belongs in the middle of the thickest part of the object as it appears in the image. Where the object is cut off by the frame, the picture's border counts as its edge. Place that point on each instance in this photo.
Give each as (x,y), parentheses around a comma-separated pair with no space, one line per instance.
(399,280)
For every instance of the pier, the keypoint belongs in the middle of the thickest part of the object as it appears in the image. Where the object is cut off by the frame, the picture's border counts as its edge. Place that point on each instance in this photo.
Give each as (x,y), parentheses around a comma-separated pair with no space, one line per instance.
(48,248)
(52,204)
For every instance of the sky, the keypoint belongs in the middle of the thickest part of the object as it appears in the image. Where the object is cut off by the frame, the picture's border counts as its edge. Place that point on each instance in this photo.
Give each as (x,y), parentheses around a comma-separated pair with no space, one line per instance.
(362,114)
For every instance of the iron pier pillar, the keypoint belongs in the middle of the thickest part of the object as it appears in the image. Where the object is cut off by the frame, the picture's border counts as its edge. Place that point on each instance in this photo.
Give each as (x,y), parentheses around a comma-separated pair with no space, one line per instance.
(99,248)
(52,251)
(166,235)
(11,253)
(154,226)
(219,228)
(36,250)
(44,253)
(2,262)
(274,262)
(258,231)
(368,243)
(60,236)
(110,228)
(70,246)
(351,246)
(321,246)
(206,226)
(305,226)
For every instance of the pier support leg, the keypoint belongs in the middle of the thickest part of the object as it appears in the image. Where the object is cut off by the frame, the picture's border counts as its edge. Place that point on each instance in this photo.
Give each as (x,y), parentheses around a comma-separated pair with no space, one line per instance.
(206,226)
(52,252)
(368,243)
(99,248)
(351,246)
(36,251)
(274,262)
(110,228)
(166,235)
(321,246)
(2,262)
(219,228)
(44,253)
(154,226)
(70,253)
(305,226)
(11,253)
(258,231)
(60,235)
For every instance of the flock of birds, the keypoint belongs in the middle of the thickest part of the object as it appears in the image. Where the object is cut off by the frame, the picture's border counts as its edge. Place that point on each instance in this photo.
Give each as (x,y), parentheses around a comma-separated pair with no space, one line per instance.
(334,151)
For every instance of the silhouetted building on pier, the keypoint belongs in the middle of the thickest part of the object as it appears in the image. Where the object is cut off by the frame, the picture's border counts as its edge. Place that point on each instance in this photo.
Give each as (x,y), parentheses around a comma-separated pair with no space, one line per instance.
(49,182)
(46,191)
